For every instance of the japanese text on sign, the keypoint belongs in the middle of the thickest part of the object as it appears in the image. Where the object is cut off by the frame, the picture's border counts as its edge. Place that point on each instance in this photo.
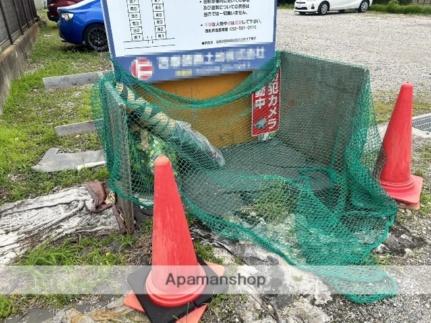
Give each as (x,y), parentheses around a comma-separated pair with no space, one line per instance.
(266,109)
(191,38)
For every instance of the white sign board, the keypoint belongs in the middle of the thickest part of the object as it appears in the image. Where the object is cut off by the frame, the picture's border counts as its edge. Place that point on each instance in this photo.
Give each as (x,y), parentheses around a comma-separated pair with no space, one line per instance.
(190,37)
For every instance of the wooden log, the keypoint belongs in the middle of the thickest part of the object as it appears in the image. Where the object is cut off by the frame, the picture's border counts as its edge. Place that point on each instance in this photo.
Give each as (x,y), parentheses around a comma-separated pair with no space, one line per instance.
(26,224)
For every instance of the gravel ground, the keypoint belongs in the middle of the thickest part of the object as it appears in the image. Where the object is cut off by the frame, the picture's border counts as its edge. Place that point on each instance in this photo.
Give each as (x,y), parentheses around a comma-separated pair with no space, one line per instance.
(410,247)
(396,48)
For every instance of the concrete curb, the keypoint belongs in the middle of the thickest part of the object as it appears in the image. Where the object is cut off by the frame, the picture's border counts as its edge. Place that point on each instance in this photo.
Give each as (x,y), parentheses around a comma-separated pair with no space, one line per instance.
(75,128)
(68,81)
(54,161)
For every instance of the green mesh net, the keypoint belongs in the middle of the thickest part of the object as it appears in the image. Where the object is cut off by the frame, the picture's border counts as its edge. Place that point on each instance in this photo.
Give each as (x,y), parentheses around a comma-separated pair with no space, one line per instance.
(308,193)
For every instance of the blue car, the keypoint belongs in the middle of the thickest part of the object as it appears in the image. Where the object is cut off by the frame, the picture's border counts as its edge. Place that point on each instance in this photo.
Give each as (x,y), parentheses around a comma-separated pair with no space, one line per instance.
(82,23)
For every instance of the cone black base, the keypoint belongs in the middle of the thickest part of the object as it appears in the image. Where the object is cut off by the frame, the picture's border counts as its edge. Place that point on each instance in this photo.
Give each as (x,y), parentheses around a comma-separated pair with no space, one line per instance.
(161,314)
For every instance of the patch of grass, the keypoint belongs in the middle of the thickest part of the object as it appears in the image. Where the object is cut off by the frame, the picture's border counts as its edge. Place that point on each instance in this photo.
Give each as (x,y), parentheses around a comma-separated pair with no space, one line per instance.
(218,300)
(383,260)
(84,250)
(193,220)
(6,307)
(206,252)
(225,308)
(425,203)
(286,6)
(92,251)
(25,183)
(31,113)
(408,9)
(384,109)
(147,227)
(272,205)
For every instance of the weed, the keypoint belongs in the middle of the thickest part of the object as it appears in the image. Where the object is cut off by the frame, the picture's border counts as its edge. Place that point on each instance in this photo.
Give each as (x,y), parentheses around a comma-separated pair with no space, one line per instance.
(383,109)
(6,307)
(206,252)
(271,206)
(108,250)
(425,204)
(147,227)
(225,308)
(383,260)
(218,300)
(285,6)
(82,251)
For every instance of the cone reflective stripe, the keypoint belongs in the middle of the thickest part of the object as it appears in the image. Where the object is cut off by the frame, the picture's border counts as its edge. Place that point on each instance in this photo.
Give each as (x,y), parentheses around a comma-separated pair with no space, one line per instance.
(396,177)
(172,247)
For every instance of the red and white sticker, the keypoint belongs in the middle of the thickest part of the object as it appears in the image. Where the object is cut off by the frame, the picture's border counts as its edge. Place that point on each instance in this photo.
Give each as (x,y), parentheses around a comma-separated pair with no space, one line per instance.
(266,109)
(142,68)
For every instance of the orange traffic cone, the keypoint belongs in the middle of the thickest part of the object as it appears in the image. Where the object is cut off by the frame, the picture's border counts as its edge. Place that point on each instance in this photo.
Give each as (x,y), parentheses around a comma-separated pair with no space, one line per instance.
(396,177)
(173,255)
(172,243)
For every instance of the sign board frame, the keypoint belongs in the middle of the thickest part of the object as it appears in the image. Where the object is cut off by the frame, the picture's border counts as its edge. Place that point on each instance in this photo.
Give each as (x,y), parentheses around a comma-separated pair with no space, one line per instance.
(151,62)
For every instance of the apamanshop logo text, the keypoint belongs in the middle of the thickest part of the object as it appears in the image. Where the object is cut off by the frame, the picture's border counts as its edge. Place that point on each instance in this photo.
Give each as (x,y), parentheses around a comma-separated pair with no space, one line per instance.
(233,280)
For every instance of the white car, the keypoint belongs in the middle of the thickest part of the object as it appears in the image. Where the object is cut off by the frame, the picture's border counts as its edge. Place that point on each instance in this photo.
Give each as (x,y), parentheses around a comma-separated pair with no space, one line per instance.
(322,7)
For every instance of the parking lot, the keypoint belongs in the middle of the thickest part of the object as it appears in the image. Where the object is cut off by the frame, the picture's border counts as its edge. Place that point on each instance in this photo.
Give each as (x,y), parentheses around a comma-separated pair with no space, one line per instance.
(396,48)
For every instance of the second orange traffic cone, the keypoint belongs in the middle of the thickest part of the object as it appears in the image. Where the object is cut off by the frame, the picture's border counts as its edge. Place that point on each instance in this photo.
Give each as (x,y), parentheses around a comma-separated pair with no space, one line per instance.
(396,177)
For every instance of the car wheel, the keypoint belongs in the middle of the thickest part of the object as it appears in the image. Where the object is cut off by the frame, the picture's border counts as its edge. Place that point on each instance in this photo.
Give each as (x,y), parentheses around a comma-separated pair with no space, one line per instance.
(323,8)
(363,7)
(95,37)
